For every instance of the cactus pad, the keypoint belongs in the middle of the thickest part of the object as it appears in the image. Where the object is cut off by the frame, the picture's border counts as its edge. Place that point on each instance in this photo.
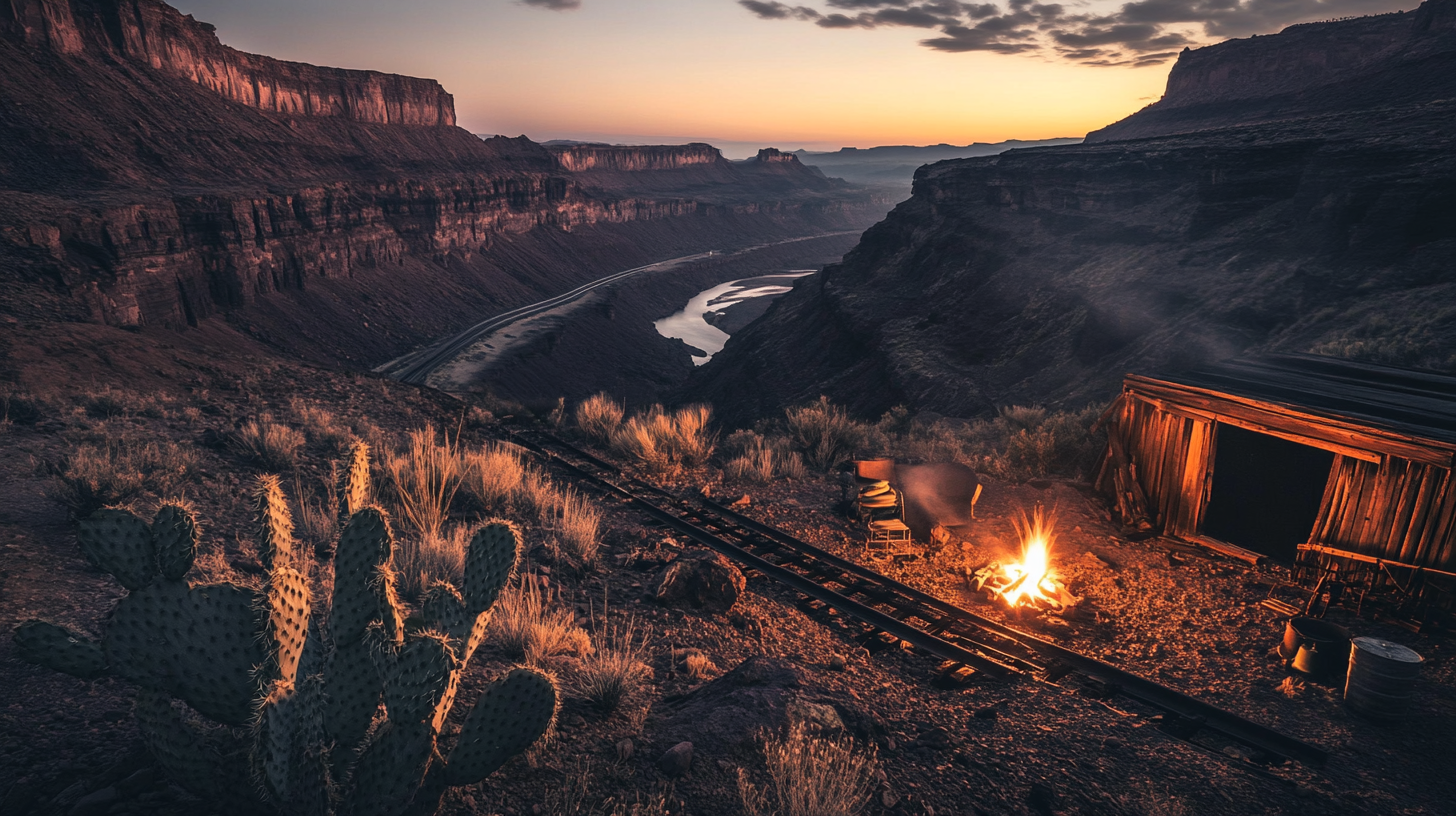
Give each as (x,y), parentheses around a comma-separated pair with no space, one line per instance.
(120,543)
(187,754)
(489,564)
(366,545)
(511,714)
(200,644)
(355,493)
(58,648)
(275,524)
(174,536)
(287,602)
(392,768)
(419,679)
(352,688)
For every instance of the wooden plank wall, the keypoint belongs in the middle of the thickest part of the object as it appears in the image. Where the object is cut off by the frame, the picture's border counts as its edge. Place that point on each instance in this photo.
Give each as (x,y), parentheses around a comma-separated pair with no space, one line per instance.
(1396,510)
(1157,443)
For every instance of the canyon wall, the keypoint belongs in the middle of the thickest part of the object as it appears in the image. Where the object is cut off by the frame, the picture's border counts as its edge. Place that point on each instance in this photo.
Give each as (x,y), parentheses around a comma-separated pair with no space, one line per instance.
(635,158)
(1042,276)
(149,178)
(155,34)
(1336,67)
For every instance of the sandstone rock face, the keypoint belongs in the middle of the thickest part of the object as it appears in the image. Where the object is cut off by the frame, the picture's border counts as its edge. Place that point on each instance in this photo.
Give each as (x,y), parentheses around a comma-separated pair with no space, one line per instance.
(152,33)
(1045,275)
(152,178)
(701,579)
(1335,67)
(581,158)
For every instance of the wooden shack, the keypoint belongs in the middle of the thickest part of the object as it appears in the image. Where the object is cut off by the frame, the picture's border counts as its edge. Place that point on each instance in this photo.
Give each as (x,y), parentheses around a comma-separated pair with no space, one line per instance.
(1338,467)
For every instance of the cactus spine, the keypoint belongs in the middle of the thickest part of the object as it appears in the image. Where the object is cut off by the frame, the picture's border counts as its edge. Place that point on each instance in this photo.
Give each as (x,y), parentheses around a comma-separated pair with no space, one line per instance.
(309,691)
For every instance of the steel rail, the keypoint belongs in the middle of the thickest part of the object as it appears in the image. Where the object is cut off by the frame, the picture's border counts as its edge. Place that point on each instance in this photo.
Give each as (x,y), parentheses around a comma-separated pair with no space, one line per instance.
(945,622)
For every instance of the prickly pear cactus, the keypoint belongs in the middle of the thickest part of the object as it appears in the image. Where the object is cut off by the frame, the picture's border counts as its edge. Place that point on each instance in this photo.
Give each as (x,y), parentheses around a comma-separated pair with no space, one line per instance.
(311,717)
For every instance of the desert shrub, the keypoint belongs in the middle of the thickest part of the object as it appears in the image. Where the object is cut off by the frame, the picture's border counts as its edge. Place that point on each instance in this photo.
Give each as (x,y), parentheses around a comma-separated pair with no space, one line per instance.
(576,526)
(764,460)
(97,476)
(811,776)
(599,416)
(525,624)
(22,409)
(1060,444)
(107,403)
(616,672)
(665,442)
(493,476)
(824,432)
(693,663)
(424,479)
(422,560)
(538,494)
(268,444)
(323,428)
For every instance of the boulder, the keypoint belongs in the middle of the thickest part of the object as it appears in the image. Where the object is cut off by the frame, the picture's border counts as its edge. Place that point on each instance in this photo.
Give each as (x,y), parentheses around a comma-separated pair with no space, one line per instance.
(677,760)
(701,579)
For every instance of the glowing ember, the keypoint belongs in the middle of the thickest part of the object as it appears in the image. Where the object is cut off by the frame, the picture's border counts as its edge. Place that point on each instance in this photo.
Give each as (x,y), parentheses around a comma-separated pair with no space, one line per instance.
(1032,582)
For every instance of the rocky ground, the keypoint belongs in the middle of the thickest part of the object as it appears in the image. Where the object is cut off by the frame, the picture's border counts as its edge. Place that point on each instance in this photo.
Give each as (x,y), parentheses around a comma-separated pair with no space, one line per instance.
(1188,620)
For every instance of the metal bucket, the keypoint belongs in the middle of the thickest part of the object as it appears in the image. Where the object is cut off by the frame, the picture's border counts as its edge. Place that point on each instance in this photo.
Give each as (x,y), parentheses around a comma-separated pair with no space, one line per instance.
(875,469)
(1314,647)
(1381,677)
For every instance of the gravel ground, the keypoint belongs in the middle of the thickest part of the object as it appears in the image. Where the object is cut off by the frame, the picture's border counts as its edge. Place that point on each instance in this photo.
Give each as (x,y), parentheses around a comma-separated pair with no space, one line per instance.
(1154,608)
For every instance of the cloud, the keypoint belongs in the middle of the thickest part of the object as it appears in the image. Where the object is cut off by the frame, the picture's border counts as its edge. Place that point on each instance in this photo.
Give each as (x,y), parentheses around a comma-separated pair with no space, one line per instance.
(1138,33)
(555,5)
(779,11)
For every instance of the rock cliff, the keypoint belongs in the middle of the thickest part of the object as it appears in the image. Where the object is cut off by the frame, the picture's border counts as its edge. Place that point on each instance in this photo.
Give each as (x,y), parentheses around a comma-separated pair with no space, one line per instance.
(155,178)
(635,158)
(1336,67)
(1042,276)
(152,33)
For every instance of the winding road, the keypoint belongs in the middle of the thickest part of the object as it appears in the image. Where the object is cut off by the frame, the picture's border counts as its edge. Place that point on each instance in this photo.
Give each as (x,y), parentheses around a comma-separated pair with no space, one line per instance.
(416,367)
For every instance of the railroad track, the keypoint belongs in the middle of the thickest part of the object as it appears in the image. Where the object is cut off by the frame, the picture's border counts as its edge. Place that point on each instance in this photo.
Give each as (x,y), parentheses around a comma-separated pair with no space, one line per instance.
(887,611)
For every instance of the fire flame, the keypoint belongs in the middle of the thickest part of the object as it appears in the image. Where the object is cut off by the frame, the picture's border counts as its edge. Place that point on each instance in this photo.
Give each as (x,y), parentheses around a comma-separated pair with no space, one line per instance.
(1032,582)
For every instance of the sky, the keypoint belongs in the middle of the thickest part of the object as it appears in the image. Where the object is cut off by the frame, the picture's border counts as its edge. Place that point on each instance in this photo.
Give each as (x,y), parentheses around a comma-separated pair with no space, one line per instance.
(744,74)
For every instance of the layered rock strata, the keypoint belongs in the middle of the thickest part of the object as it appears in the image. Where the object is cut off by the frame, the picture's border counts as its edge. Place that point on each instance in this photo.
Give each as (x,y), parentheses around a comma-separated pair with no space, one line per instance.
(1042,276)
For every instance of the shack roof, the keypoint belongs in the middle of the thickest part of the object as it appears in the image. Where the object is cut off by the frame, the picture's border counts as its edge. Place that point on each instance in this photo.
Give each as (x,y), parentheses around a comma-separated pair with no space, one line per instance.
(1406,401)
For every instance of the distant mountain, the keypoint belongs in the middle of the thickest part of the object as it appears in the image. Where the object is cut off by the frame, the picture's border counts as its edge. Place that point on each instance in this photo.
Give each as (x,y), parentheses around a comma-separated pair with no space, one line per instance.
(895,165)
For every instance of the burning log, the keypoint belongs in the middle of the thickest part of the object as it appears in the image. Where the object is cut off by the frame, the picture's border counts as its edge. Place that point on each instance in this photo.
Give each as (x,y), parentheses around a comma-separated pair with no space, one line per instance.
(1032,582)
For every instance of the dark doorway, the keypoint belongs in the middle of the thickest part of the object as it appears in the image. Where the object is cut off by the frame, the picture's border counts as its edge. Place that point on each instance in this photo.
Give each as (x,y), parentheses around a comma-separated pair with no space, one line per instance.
(1266,491)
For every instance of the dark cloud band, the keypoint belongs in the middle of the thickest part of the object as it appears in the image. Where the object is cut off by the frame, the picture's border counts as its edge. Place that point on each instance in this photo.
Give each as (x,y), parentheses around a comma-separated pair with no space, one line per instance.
(1141,32)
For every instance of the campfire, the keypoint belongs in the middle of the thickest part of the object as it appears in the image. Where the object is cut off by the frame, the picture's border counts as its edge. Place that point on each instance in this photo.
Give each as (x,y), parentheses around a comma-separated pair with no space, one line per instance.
(1031,582)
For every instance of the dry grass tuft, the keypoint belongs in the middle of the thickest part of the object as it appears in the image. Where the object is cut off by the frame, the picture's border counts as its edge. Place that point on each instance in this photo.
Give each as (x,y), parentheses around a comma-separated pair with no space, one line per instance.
(599,416)
(93,477)
(108,402)
(824,432)
(323,428)
(664,442)
(576,524)
(616,673)
(762,460)
(424,480)
(493,476)
(269,445)
(22,409)
(811,776)
(318,515)
(422,560)
(525,625)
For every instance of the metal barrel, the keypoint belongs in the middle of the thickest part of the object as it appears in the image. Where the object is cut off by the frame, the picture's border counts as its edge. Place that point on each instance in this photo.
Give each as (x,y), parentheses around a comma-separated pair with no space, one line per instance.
(1381,677)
